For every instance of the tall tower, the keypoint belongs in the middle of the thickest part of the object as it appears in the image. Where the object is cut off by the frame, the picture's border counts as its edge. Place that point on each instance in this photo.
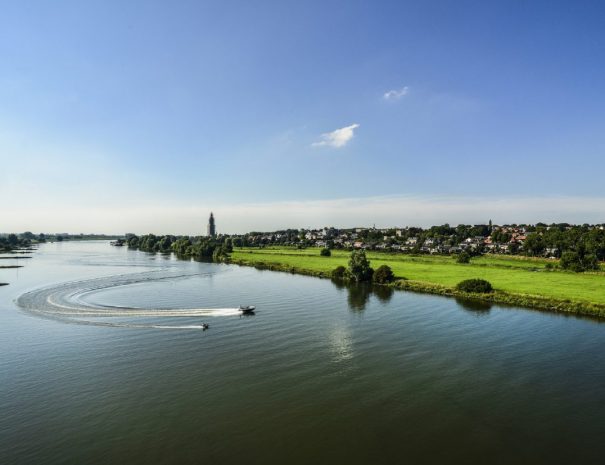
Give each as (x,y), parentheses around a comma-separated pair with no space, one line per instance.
(211,226)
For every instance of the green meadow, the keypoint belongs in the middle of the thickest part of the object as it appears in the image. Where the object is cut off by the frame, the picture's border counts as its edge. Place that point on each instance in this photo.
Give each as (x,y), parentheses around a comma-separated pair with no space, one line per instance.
(511,275)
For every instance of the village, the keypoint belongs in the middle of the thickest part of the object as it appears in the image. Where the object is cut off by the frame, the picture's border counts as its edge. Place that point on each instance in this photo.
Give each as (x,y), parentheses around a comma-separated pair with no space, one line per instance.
(444,240)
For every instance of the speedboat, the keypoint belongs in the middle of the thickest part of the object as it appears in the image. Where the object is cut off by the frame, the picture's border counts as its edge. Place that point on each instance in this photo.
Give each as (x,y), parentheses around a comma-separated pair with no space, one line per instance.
(247,309)
(205,326)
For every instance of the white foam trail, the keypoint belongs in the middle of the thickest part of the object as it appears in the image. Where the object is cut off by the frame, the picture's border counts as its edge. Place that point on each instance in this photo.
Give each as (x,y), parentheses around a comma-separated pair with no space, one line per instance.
(130,311)
(63,302)
(177,327)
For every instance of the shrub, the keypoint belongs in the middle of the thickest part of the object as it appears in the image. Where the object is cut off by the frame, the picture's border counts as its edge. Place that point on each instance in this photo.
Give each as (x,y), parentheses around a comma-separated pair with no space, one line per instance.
(383,275)
(475,285)
(325,252)
(463,257)
(339,272)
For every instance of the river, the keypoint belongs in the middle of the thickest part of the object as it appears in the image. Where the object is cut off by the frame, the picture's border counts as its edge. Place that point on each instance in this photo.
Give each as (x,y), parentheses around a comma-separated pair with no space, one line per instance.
(321,373)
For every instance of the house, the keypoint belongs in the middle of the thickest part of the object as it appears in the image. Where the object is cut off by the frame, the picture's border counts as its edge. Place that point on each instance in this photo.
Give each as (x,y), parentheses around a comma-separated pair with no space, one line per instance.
(551,251)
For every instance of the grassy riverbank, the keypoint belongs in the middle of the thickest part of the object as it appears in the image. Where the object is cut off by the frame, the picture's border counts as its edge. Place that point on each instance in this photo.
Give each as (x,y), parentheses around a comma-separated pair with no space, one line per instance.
(517,280)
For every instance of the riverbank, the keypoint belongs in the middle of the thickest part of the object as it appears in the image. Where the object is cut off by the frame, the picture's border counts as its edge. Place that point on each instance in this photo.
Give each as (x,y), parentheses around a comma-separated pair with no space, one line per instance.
(520,282)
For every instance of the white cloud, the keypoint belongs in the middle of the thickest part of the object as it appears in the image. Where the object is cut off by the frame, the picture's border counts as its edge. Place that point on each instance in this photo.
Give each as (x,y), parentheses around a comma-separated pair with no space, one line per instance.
(396,94)
(338,138)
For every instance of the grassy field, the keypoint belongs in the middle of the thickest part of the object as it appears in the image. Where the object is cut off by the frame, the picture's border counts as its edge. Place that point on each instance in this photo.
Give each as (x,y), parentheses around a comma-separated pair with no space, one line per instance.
(512,275)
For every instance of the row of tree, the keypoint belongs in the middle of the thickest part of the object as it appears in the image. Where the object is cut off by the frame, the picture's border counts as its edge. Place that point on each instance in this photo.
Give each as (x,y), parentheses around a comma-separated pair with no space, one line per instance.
(198,248)
(12,242)
(583,240)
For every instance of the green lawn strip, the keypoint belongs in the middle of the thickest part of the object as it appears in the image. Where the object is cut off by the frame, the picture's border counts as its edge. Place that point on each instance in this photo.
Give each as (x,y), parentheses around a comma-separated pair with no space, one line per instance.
(486,260)
(542,288)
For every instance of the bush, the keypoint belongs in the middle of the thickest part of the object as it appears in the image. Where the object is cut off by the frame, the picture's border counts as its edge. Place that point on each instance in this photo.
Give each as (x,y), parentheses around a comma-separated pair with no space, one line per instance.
(325,252)
(383,275)
(480,286)
(463,257)
(339,272)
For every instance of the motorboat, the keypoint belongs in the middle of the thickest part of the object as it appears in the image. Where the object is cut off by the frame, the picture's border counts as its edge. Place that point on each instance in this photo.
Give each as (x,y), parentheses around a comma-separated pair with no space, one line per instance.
(247,309)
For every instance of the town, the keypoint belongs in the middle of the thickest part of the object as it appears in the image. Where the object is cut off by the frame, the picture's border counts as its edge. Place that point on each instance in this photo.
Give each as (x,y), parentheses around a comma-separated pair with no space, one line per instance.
(534,240)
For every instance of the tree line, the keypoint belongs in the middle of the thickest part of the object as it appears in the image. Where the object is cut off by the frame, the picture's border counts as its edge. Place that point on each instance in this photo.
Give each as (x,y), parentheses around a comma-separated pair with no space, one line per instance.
(12,242)
(198,248)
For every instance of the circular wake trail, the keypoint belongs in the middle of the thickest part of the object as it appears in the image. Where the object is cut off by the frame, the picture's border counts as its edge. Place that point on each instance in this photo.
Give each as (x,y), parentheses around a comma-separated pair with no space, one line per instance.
(65,302)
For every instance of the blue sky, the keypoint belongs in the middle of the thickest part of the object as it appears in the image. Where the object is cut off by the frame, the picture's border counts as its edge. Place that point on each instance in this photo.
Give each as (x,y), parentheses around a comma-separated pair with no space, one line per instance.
(143,116)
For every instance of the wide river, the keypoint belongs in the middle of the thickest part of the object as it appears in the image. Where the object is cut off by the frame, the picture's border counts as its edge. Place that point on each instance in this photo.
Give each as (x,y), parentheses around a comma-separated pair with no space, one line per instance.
(321,374)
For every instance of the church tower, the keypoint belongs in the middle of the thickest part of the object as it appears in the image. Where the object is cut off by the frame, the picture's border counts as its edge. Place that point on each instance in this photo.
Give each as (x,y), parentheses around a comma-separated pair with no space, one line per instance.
(211,226)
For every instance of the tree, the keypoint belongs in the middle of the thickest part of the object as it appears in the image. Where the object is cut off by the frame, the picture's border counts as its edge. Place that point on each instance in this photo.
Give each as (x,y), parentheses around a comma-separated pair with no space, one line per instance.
(463,257)
(164,244)
(359,269)
(325,253)
(181,246)
(383,275)
(133,242)
(579,261)
(534,245)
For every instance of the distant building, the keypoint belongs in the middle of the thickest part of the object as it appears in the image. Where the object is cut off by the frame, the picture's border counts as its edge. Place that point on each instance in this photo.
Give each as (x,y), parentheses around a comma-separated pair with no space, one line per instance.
(211,226)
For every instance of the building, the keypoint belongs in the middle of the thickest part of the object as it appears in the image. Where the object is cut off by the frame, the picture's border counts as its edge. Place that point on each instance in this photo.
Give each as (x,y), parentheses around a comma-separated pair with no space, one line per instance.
(211,226)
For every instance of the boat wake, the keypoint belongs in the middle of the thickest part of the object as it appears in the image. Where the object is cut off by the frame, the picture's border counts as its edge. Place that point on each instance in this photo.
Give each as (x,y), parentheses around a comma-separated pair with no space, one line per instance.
(65,302)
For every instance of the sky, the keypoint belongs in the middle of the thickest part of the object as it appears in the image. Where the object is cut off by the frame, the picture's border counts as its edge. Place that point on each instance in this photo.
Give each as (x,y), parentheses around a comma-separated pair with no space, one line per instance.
(145,116)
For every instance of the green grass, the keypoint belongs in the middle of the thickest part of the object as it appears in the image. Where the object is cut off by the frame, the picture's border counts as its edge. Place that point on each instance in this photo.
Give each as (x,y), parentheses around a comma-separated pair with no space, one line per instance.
(512,275)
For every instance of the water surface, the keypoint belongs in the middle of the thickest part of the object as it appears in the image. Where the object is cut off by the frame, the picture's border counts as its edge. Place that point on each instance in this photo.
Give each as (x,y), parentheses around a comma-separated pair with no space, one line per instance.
(321,374)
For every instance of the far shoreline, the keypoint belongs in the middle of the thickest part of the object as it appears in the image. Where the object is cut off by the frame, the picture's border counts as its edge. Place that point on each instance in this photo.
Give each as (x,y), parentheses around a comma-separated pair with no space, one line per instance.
(535,302)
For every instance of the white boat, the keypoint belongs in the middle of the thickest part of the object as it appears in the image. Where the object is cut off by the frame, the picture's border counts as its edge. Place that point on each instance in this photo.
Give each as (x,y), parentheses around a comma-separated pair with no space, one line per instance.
(247,308)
